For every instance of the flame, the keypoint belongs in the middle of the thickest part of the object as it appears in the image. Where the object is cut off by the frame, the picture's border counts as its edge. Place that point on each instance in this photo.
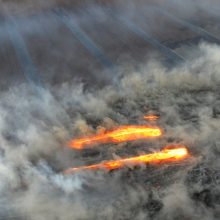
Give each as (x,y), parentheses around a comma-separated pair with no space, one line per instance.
(166,155)
(151,117)
(121,134)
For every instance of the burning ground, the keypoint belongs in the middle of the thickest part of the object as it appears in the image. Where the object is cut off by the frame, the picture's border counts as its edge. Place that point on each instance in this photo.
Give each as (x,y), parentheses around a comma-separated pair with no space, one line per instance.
(41,134)
(34,152)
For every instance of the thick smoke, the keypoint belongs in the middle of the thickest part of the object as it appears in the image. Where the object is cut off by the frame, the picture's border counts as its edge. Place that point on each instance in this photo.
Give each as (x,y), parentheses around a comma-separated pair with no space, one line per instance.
(34,130)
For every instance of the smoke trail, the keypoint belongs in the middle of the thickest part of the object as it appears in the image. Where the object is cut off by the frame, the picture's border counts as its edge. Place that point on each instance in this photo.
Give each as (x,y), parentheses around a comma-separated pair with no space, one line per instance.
(172,55)
(28,67)
(87,42)
(200,31)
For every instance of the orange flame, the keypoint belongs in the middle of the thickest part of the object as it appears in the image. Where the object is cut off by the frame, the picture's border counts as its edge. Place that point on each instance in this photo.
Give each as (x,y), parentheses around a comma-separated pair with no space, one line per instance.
(151,117)
(121,134)
(166,155)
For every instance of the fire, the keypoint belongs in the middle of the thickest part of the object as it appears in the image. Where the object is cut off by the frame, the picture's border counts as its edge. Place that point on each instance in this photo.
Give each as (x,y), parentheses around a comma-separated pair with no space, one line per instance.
(151,117)
(166,155)
(121,134)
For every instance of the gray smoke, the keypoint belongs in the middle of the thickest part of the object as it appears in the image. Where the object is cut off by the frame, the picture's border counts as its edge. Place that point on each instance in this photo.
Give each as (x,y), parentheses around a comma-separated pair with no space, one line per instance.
(33,152)
(34,128)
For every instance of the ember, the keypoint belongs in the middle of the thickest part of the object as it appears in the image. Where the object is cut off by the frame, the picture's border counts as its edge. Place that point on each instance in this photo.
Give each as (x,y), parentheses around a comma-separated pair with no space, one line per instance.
(151,117)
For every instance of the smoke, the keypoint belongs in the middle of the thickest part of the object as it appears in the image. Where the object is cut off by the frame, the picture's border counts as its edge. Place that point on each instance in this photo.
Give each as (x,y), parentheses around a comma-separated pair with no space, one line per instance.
(34,132)
(35,128)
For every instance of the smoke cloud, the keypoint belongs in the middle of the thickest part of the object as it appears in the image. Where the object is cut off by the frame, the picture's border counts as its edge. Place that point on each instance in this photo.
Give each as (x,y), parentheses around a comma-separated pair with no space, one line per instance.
(35,128)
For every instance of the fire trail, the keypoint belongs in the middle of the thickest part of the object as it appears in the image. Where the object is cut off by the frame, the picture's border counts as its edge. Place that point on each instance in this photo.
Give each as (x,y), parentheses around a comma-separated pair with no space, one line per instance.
(164,156)
(120,134)
(151,117)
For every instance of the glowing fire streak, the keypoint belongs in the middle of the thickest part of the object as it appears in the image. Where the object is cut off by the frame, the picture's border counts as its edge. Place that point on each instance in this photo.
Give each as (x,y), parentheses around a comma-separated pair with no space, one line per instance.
(151,117)
(121,134)
(166,155)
